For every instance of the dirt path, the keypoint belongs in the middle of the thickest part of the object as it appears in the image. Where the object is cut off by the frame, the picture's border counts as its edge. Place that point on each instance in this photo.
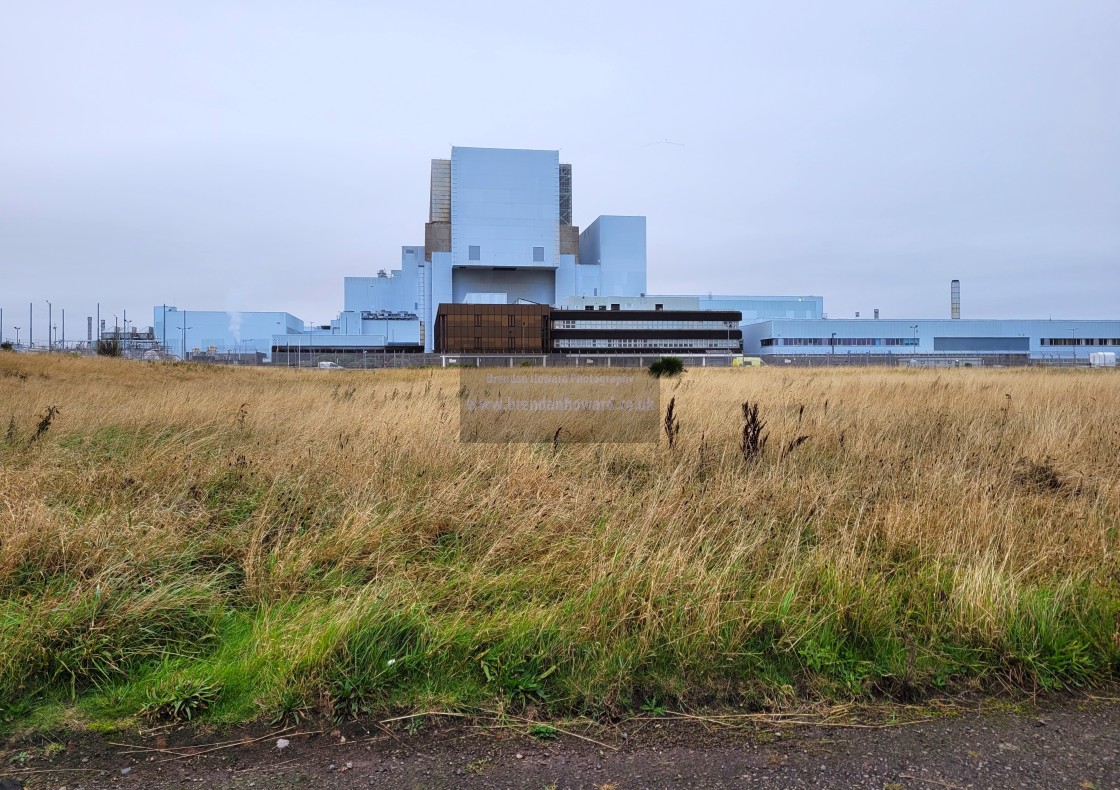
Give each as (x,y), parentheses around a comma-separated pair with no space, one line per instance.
(1061,743)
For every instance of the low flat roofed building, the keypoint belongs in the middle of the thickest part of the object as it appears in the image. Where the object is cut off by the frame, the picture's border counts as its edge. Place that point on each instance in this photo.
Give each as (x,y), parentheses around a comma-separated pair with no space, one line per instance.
(540,329)
(1001,341)
(617,331)
(758,308)
(221,332)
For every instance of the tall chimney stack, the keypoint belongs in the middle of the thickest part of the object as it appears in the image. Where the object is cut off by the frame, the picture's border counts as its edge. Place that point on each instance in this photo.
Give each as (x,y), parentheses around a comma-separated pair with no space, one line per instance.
(956,299)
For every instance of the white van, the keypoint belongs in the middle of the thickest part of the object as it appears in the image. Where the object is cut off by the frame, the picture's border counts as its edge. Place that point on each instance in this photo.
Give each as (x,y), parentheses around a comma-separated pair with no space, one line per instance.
(329,366)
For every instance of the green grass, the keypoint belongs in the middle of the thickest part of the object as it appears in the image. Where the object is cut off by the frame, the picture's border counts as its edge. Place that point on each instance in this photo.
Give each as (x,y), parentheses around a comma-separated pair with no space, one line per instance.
(192,561)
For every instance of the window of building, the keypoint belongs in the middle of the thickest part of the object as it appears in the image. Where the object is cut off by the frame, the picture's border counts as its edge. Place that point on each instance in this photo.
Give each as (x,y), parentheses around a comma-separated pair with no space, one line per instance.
(474,253)
(513,320)
(478,319)
(659,307)
(616,307)
(590,307)
(538,255)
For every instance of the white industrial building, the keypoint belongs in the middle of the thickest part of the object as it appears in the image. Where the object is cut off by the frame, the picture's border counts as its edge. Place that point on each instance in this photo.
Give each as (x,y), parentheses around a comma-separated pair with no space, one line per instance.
(500,231)
(966,341)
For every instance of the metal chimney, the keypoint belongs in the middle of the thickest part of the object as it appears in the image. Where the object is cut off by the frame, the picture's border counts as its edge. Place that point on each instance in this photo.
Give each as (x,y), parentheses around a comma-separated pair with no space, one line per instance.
(956,299)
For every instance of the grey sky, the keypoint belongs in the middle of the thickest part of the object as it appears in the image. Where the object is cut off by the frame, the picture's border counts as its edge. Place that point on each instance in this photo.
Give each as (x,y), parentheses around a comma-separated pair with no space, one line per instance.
(250,155)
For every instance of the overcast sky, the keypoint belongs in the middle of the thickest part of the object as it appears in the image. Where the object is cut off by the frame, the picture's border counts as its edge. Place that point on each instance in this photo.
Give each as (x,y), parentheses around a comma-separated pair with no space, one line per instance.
(248,156)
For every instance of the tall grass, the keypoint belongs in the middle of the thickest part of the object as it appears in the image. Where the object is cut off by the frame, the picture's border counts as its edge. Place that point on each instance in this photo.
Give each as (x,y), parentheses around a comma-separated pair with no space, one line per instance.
(288,542)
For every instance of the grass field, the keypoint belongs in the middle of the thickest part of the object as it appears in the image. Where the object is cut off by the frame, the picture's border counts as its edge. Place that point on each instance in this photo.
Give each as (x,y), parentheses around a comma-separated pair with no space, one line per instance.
(240,543)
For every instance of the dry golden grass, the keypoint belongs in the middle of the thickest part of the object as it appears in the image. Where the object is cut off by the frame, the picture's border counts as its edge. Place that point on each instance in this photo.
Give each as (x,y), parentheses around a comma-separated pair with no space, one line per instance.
(322,538)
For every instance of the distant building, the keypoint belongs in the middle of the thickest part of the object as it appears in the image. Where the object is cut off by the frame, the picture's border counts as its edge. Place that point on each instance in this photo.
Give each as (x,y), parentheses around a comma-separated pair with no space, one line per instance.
(500,231)
(503,269)
(218,332)
(752,308)
(540,329)
(973,340)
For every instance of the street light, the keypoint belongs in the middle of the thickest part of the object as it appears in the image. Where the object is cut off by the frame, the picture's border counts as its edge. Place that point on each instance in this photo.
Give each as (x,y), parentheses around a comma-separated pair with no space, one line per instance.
(17,337)
(50,345)
(1074,331)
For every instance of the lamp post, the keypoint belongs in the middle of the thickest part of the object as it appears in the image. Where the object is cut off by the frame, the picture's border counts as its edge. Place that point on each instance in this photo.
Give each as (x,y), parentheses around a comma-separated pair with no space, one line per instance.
(832,350)
(50,344)
(1074,331)
(185,328)
(17,337)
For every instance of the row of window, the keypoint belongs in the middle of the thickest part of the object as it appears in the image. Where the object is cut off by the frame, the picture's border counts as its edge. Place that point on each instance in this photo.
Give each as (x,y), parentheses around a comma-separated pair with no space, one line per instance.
(840,341)
(645,342)
(1079,341)
(616,306)
(474,253)
(568,323)
(496,343)
(494,320)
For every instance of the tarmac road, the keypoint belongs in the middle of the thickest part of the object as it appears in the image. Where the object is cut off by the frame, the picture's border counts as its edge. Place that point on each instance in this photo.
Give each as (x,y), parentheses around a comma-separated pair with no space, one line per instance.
(1060,743)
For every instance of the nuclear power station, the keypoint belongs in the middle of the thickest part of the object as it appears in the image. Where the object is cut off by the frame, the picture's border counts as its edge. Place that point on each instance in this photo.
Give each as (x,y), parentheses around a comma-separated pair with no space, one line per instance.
(503,269)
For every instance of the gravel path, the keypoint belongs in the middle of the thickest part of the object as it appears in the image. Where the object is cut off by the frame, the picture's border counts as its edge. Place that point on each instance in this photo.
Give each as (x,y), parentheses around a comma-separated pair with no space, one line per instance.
(1067,743)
